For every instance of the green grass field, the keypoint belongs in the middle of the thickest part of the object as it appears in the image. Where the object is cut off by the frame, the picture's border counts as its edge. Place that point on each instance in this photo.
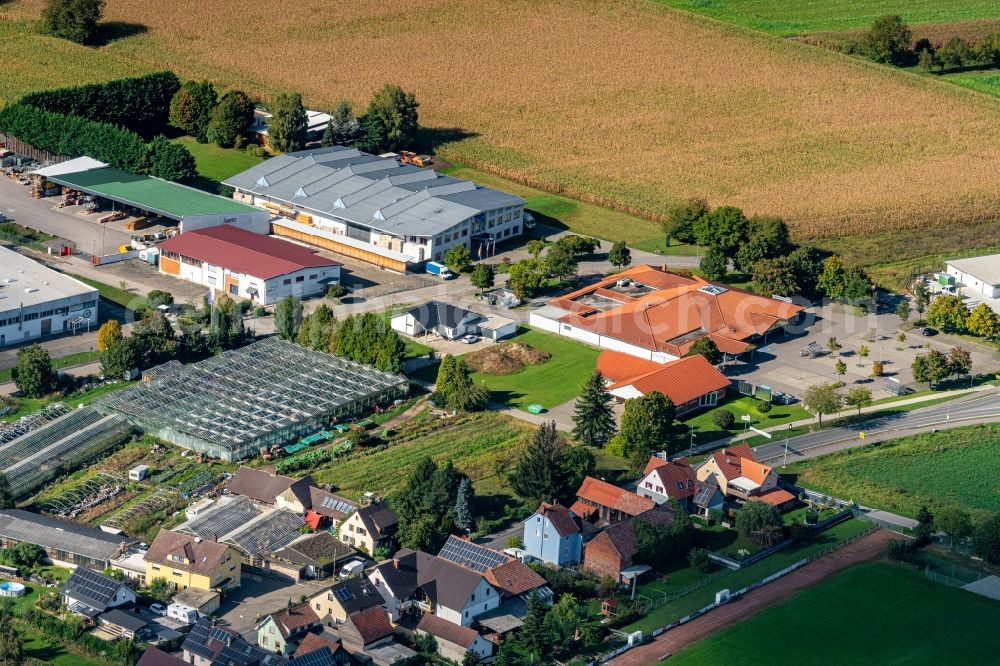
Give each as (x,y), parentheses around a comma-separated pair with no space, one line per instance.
(984,82)
(706,431)
(954,467)
(475,444)
(61,363)
(733,580)
(872,613)
(215,163)
(788,18)
(552,383)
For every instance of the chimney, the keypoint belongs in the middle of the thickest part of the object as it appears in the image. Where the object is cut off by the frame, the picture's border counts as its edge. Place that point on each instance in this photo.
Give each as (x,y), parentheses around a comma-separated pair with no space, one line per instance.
(215,538)
(395,563)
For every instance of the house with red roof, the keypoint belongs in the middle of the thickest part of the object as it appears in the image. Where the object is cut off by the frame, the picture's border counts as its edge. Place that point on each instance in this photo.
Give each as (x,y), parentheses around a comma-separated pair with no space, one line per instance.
(657,316)
(664,480)
(738,475)
(602,502)
(691,383)
(613,551)
(242,264)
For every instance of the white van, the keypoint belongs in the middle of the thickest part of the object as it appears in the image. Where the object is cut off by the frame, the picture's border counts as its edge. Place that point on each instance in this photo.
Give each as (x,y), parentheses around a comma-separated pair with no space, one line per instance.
(351,569)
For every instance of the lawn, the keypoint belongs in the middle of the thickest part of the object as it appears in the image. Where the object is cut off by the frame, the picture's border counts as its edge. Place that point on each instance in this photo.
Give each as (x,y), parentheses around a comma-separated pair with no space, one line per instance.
(873,613)
(29,405)
(984,82)
(798,133)
(706,431)
(549,384)
(215,163)
(954,467)
(122,297)
(733,580)
(788,18)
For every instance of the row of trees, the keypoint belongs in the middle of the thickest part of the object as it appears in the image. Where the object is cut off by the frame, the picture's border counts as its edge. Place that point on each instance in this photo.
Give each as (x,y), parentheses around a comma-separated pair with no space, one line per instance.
(390,122)
(559,262)
(758,247)
(196,108)
(935,366)
(366,338)
(890,41)
(434,501)
(948,313)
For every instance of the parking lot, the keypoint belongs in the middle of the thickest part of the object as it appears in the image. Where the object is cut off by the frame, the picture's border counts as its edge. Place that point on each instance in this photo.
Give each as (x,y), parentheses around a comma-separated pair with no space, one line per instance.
(780,364)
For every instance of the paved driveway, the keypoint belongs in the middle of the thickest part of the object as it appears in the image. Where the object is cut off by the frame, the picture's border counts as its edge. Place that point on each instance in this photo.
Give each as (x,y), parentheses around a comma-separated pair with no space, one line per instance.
(259,596)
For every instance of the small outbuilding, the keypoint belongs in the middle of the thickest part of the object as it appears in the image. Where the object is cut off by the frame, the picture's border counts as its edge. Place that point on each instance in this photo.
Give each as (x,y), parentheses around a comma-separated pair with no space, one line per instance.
(451,322)
(138,473)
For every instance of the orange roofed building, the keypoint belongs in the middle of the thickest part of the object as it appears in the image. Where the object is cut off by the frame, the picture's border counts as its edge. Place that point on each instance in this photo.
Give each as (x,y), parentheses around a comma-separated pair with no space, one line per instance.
(656,315)
(738,475)
(600,501)
(691,382)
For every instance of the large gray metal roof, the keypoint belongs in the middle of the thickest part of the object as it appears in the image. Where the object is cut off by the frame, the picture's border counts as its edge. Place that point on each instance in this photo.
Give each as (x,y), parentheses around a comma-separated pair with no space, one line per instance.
(370,191)
(53,534)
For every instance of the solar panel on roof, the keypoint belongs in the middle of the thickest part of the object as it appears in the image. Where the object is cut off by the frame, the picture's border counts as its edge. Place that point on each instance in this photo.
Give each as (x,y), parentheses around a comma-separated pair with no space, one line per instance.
(335,504)
(344,594)
(703,494)
(471,556)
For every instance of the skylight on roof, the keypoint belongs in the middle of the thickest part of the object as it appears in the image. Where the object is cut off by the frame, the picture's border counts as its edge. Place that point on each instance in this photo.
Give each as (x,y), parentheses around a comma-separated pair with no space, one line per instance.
(712,289)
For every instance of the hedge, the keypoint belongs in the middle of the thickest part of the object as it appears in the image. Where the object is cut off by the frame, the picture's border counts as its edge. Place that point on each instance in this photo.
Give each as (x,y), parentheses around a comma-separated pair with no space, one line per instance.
(141,104)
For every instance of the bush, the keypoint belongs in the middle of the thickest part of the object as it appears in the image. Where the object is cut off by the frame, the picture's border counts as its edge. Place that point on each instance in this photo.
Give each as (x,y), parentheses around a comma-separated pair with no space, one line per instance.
(723,418)
(899,550)
(336,291)
(799,532)
(764,406)
(254,150)
(699,560)
(514,541)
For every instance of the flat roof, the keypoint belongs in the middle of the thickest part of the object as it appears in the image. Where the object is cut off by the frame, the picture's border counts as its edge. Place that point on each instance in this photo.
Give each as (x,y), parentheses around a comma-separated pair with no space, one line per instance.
(75,165)
(25,282)
(985,268)
(169,199)
(61,535)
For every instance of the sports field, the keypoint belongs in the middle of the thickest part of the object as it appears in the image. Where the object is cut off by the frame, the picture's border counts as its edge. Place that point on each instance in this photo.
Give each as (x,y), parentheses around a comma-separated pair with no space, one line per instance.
(625,102)
(952,467)
(794,17)
(872,614)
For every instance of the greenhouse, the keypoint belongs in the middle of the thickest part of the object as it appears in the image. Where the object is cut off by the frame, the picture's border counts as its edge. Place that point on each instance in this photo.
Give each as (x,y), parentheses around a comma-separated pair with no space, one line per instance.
(57,446)
(235,404)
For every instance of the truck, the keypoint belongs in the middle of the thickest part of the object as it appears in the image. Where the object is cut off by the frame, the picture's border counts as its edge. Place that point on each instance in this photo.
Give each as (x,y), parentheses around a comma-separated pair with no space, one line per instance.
(410,157)
(435,268)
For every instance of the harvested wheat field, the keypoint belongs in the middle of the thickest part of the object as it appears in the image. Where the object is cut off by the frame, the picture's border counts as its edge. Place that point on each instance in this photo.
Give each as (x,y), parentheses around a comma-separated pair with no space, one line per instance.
(624,102)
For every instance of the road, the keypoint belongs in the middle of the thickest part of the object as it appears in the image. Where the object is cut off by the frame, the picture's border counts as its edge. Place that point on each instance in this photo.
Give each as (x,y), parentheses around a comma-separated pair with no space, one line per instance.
(980,408)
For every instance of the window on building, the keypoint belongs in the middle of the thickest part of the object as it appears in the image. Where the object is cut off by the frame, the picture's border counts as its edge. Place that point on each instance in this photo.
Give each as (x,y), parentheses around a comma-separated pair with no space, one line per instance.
(300,278)
(286,281)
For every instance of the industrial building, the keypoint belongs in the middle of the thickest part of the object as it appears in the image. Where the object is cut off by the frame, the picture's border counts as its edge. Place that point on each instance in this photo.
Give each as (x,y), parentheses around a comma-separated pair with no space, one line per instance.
(190,208)
(376,209)
(36,301)
(233,405)
(243,264)
(65,544)
(981,275)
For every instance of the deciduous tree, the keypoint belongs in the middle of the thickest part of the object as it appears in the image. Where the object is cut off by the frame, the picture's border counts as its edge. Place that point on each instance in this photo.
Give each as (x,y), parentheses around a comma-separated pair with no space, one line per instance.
(33,374)
(647,424)
(775,277)
(714,264)
(959,361)
(287,127)
(953,521)
(191,108)
(726,228)
(948,313)
(75,20)
(231,118)
(108,334)
(822,399)
(756,516)
(707,348)
(482,277)
(395,114)
(888,40)
(121,359)
(930,367)
(171,161)
(526,277)
(458,259)
(681,220)
(983,321)
(986,539)
(858,396)
(903,310)
(620,256)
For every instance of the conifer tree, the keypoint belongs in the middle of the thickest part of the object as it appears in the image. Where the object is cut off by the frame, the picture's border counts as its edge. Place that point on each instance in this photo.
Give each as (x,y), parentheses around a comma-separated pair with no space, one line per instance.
(463,506)
(593,417)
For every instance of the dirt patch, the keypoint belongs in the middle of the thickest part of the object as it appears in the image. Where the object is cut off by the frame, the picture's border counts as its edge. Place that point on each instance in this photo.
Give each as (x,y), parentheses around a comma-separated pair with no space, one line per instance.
(505,358)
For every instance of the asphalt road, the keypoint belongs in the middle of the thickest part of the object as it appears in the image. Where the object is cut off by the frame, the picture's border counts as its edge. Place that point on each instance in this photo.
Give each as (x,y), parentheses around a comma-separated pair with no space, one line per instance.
(980,408)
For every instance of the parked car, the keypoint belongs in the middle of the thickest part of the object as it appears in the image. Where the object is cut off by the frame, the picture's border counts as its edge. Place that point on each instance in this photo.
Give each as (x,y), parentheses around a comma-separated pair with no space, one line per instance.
(529,221)
(470,339)
(158,609)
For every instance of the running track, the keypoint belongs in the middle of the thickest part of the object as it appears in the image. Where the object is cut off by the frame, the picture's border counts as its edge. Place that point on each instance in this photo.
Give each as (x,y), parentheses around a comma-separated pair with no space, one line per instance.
(868,548)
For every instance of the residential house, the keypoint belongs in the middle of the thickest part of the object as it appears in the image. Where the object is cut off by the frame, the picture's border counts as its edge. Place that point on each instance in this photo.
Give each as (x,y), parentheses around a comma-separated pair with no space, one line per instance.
(657,316)
(332,508)
(265,486)
(370,527)
(602,502)
(154,656)
(453,640)
(553,534)
(312,642)
(691,383)
(414,582)
(89,593)
(344,598)
(613,551)
(675,479)
(281,632)
(312,556)
(739,476)
(366,629)
(207,644)
(187,561)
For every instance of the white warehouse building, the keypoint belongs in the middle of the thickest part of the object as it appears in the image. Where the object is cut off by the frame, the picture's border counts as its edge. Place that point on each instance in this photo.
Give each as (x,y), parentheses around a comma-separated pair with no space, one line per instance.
(980,274)
(36,301)
(396,216)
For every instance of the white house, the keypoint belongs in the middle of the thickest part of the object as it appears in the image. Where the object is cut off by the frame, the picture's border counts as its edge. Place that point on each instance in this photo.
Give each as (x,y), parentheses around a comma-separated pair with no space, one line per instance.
(89,593)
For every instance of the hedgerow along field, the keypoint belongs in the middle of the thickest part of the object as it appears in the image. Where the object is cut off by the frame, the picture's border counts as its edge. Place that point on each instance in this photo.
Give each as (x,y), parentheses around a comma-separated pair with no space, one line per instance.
(627,103)
(872,613)
(789,18)
(954,467)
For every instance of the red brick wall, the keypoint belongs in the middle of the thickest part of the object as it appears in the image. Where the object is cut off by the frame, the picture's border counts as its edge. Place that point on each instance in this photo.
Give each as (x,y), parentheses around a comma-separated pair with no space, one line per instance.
(601,558)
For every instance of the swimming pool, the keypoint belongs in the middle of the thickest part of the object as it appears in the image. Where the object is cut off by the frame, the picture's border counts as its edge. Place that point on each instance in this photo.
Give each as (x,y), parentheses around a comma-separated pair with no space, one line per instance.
(11,589)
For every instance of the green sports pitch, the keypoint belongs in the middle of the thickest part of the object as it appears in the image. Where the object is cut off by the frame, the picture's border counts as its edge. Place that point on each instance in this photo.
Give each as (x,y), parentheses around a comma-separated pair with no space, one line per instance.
(869,614)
